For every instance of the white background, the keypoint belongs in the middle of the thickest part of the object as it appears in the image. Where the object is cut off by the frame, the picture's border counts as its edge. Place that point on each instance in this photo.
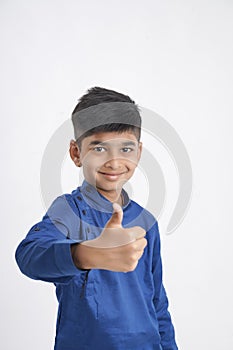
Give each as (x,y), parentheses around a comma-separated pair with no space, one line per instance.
(174,57)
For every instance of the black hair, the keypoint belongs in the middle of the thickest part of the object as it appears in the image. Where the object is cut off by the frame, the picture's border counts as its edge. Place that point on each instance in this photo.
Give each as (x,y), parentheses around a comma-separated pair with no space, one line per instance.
(97,95)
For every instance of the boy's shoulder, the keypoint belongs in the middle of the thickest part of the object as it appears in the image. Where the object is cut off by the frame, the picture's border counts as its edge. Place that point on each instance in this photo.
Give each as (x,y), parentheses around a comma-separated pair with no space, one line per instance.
(142,216)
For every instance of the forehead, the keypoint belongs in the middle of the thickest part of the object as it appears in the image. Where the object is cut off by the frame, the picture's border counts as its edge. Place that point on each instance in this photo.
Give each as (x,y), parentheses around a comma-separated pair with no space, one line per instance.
(111,137)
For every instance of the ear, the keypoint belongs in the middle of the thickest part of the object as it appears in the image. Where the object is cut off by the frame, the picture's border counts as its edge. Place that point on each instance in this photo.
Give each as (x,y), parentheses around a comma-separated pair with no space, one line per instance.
(75,153)
(139,150)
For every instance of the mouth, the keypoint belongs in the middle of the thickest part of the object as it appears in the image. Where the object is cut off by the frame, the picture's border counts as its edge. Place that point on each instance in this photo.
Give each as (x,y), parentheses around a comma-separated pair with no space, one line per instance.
(111,176)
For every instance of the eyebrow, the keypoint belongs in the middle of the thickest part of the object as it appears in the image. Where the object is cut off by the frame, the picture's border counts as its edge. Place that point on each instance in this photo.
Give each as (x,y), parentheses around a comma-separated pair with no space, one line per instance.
(126,143)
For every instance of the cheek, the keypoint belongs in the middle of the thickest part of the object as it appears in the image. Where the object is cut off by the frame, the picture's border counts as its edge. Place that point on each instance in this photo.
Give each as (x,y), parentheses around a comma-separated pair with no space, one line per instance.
(91,163)
(132,162)
(132,169)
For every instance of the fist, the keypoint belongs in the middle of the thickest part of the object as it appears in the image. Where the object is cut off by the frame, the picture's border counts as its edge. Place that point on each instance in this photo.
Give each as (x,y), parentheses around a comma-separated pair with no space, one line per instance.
(114,235)
(116,249)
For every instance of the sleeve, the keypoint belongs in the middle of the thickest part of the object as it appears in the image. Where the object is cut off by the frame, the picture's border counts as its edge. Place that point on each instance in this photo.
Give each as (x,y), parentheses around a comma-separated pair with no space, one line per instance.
(166,328)
(45,253)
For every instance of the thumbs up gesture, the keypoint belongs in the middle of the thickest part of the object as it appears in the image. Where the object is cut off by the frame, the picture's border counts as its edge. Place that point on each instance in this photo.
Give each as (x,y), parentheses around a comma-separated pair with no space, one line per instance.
(116,249)
(114,235)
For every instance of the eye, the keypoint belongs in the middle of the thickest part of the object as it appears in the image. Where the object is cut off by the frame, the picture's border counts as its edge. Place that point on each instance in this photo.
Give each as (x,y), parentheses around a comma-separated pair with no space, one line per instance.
(126,149)
(99,149)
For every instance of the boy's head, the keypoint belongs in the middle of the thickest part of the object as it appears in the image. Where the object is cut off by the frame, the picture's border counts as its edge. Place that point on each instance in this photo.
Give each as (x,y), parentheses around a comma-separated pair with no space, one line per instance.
(104,110)
(107,127)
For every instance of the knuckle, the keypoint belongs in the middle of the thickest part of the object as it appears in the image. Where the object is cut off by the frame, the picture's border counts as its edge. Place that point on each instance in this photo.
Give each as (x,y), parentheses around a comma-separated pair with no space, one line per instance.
(133,258)
(132,247)
(133,266)
(142,244)
(129,266)
(145,242)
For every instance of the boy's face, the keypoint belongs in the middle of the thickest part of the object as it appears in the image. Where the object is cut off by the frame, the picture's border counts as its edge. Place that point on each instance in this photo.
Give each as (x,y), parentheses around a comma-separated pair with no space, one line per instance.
(108,159)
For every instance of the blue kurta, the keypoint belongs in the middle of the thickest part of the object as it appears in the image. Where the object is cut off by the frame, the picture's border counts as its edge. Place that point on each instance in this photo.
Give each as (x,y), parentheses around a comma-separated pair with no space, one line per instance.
(99,309)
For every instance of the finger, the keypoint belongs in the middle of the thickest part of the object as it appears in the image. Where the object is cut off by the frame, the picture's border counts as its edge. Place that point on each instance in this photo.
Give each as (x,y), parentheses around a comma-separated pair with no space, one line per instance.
(139,244)
(116,218)
(136,232)
(142,243)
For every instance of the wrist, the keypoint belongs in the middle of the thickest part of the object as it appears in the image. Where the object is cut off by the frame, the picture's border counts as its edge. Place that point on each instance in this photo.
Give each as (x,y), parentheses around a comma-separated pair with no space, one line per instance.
(78,257)
(83,257)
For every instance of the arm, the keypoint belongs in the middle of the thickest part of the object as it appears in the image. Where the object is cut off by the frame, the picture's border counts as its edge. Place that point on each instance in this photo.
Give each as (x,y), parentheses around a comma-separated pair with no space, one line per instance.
(166,328)
(45,252)
(48,254)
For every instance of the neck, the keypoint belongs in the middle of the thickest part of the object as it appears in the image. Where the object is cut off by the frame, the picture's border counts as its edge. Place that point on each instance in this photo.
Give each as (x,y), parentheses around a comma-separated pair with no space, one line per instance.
(112,196)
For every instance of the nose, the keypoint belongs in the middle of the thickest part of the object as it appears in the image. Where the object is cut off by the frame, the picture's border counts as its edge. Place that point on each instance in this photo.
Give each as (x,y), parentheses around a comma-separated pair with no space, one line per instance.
(114,163)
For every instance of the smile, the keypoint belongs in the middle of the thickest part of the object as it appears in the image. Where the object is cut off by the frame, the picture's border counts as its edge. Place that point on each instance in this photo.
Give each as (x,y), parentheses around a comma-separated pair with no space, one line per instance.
(111,176)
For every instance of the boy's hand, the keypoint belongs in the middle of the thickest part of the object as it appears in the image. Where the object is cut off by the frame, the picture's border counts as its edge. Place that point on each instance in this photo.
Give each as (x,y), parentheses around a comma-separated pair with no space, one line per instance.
(114,235)
(116,249)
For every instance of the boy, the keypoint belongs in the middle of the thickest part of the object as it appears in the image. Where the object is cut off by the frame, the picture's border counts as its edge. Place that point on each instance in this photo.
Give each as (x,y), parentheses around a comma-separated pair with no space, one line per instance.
(101,249)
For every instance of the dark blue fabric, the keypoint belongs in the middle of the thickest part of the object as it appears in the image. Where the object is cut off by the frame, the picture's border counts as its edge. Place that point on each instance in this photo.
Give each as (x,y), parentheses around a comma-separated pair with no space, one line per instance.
(99,309)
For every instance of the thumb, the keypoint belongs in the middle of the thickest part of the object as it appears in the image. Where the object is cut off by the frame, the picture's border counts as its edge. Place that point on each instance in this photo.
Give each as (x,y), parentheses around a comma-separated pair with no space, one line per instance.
(117,217)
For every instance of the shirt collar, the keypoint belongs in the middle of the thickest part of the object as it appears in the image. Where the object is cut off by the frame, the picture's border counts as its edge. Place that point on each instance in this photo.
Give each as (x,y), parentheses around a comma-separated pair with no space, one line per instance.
(97,201)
